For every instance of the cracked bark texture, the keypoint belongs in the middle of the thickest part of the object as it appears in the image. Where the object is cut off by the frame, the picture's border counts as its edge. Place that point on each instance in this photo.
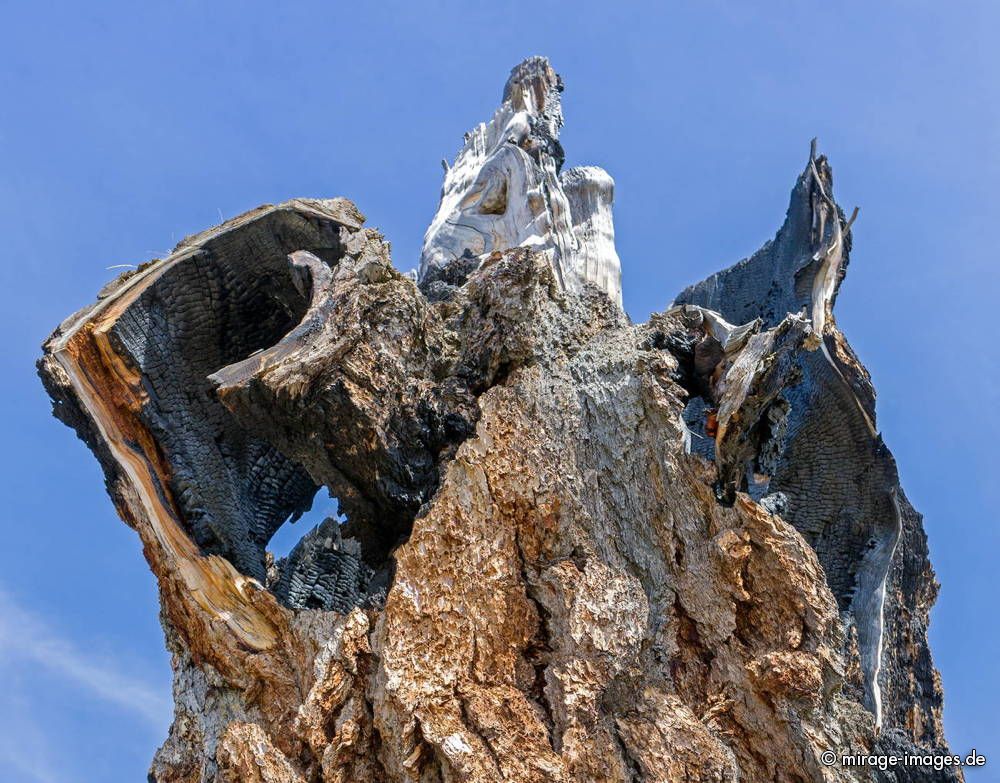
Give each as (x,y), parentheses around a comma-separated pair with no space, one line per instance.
(574,548)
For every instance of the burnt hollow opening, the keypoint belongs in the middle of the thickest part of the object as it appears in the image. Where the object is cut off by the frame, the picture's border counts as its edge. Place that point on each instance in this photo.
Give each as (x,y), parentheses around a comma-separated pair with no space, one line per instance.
(213,306)
(323,566)
(690,352)
(233,296)
(233,489)
(285,538)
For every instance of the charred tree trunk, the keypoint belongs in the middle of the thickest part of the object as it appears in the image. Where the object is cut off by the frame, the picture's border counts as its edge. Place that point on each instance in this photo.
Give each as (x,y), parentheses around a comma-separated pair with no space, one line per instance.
(575,548)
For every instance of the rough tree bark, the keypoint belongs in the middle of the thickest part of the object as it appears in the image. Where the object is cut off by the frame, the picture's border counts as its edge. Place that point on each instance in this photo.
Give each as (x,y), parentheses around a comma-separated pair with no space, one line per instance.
(575,548)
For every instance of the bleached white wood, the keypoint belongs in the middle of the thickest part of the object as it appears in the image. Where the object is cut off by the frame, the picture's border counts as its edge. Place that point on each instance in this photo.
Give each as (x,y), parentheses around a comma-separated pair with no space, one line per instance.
(504,190)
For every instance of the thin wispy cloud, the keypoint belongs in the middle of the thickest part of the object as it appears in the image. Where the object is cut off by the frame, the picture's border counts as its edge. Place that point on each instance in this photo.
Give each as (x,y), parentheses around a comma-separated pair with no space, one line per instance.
(25,750)
(28,635)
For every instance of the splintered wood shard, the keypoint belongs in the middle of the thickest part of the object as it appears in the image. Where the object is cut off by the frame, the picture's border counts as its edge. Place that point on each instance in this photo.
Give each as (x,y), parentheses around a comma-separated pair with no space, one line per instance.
(569,548)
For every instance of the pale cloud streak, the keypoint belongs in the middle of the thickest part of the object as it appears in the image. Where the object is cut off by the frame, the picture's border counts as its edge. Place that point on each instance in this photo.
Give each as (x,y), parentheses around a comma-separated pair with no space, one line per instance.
(25,750)
(26,634)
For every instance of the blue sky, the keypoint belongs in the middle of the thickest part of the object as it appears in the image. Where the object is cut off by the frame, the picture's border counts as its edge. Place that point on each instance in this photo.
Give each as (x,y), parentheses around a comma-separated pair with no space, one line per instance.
(126,126)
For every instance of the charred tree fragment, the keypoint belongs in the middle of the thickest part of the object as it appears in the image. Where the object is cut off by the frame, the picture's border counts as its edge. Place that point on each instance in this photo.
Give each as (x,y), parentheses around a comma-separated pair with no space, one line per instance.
(576,549)
(835,480)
